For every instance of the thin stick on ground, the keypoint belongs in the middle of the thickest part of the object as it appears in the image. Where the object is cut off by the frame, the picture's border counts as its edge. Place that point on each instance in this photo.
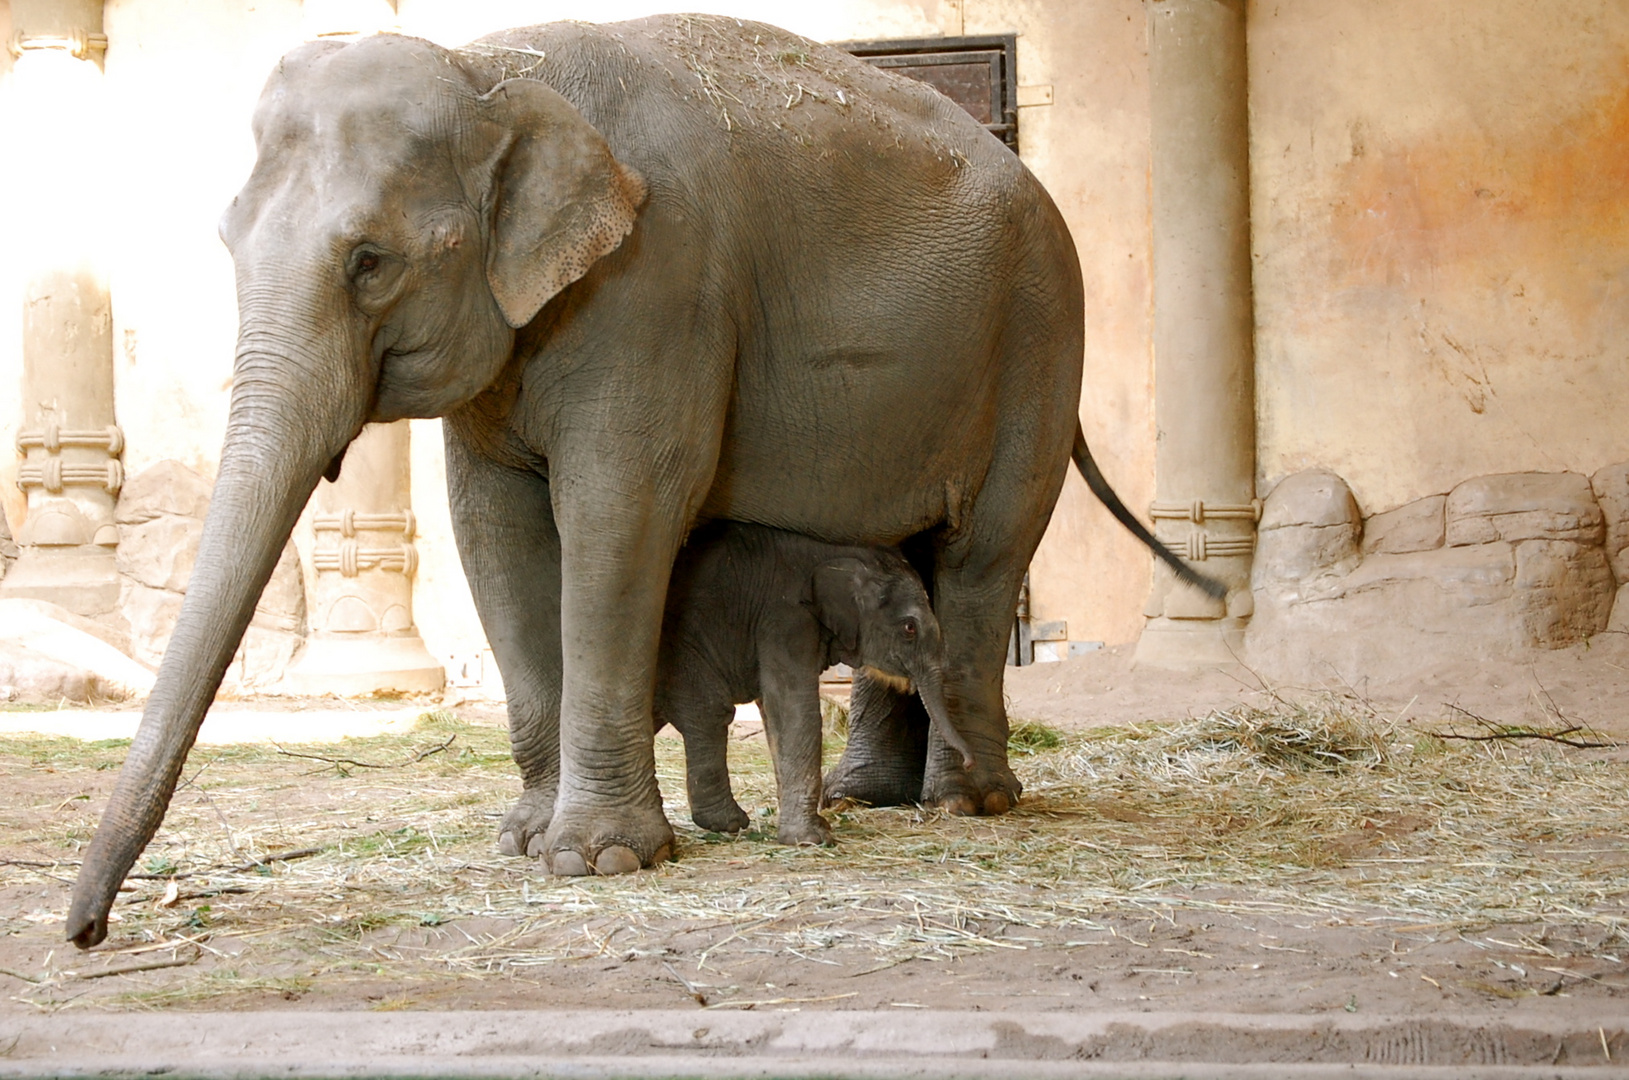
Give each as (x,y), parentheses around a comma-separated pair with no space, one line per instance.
(1494,732)
(416,757)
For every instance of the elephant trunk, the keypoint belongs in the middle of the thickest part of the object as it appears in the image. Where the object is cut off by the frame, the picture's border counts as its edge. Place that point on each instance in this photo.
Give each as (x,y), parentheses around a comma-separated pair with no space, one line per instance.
(276,449)
(930,687)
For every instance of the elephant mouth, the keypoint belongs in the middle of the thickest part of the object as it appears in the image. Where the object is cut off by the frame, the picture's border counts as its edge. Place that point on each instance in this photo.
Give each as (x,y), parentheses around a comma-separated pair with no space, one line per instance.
(899,684)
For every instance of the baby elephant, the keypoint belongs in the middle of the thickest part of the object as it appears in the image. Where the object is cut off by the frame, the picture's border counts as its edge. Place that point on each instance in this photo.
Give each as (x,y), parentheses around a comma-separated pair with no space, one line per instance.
(757,614)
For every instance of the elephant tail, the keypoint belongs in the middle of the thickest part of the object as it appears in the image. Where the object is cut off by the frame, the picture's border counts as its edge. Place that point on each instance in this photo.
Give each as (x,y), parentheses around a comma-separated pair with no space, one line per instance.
(1105,494)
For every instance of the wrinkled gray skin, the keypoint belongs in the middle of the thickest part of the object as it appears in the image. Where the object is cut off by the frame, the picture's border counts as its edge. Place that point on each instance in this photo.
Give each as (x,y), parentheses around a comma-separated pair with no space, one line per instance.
(756,614)
(651,273)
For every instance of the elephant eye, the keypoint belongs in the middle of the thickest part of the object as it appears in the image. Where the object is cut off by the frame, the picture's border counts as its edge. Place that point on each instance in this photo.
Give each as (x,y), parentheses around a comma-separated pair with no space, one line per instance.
(366,263)
(910,629)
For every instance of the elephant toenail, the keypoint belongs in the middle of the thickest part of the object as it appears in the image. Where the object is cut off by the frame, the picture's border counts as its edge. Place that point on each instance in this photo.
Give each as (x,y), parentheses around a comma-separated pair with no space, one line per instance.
(534,848)
(616,859)
(568,864)
(663,854)
(997,803)
(508,845)
(959,805)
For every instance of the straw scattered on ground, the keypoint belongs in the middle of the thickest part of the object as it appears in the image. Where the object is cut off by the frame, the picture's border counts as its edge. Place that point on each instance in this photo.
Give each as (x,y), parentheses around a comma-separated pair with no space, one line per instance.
(1320,808)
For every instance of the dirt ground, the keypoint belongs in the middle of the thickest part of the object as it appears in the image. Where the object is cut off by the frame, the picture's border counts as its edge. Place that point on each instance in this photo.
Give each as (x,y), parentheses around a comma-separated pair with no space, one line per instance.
(1487,875)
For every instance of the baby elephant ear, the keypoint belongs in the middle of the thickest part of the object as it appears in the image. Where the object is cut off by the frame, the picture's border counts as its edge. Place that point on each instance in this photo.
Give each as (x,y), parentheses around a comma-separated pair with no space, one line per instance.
(558,200)
(837,593)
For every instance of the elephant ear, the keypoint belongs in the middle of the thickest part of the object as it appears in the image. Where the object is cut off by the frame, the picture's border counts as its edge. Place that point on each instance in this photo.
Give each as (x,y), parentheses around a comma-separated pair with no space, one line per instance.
(840,593)
(558,199)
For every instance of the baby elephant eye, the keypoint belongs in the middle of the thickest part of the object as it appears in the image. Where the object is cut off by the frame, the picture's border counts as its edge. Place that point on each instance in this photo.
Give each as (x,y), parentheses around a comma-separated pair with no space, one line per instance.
(910,629)
(367,262)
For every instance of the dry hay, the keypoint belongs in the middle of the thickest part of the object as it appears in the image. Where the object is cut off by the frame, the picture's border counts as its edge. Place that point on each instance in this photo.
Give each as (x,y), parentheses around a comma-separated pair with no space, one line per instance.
(1318,808)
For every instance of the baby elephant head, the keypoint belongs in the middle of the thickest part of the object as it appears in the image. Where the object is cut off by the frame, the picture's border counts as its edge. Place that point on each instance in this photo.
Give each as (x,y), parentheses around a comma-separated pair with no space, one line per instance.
(879,619)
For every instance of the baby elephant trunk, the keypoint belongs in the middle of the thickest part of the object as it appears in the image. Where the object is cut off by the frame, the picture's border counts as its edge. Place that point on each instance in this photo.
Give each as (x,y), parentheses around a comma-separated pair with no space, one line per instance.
(930,686)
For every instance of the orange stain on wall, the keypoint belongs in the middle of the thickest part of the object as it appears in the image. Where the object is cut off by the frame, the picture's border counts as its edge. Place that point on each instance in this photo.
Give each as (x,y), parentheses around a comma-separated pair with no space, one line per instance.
(1543,210)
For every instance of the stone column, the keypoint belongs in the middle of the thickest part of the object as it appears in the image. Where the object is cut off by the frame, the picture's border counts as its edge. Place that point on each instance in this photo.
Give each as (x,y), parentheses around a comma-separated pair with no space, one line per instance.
(363,639)
(69,438)
(1204,362)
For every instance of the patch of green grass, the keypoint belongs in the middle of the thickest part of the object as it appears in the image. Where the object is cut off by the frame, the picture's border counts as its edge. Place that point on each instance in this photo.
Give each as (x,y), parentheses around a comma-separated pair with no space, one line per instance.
(1032,737)
(393,843)
(439,720)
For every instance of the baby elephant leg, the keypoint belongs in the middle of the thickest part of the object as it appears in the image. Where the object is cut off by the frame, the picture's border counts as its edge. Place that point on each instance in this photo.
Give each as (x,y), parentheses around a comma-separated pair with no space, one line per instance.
(707,775)
(792,726)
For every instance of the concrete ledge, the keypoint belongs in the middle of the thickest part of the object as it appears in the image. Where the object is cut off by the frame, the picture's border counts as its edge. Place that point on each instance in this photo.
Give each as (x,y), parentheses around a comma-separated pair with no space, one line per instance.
(674,1043)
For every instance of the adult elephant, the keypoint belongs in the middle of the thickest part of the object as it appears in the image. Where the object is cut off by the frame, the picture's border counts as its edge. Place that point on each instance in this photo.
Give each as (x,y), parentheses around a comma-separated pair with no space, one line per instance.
(650,273)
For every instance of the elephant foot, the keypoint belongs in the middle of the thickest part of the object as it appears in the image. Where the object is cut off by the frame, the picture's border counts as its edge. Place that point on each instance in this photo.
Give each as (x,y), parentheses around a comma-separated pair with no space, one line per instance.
(724,818)
(970,794)
(813,832)
(598,839)
(870,781)
(522,829)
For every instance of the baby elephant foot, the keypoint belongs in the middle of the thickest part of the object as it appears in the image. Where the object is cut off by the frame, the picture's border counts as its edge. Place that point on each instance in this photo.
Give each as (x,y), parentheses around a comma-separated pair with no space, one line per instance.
(599,839)
(725,818)
(811,832)
(989,792)
(521,832)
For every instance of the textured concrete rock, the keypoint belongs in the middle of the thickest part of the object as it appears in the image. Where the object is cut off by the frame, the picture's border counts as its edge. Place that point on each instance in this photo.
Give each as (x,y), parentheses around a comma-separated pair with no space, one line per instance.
(29,676)
(1611,487)
(1563,591)
(152,614)
(46,659)
(1522,568)
(1523,506)
(159,551)
(1619,622)
(161,519)
(15,607)
(1415,526)
(1309,532)
(8,547)
(166,489)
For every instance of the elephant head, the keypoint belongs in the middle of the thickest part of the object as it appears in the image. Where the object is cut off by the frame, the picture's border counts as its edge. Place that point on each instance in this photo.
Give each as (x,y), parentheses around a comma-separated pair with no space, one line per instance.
(398,227)
(879,618)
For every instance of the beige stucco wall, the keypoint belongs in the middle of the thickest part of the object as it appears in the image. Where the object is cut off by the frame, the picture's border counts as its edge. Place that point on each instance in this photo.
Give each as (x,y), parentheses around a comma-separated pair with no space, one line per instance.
(1441,211)
(11,325)
(1439,201)
(181,81)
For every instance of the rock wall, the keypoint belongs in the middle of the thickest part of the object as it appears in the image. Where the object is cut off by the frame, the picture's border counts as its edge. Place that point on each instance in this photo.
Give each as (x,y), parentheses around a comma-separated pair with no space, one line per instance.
(1498,565)
(8,547)
(161,518)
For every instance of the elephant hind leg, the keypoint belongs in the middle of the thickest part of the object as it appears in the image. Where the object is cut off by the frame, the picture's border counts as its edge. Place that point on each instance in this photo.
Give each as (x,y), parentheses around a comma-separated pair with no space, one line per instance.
(980,564)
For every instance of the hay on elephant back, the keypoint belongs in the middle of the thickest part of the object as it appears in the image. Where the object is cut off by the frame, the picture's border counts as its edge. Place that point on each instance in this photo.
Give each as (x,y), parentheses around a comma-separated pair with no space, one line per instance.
(1320,808)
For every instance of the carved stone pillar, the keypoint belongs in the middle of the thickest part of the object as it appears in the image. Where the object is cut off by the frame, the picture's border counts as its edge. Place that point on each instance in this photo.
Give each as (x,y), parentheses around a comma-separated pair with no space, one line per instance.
(69,438)
(1204,361)
(363,639)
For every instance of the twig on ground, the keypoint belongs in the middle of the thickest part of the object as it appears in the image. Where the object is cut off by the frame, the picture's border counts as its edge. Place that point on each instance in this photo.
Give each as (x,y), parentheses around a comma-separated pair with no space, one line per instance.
(1500,732)
(33,865)
(281,856)
(130,969)
(416,757)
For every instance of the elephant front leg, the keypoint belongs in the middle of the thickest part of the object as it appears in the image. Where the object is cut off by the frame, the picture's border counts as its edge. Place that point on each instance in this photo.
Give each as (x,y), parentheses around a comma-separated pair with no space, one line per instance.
(619,531)
(791,707)
(504,525)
